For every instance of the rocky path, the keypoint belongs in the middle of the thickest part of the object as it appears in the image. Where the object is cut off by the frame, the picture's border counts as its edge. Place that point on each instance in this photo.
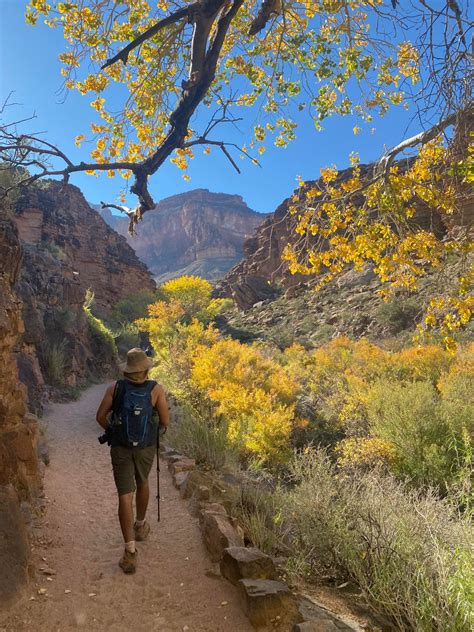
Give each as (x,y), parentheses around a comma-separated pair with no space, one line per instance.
(175,588)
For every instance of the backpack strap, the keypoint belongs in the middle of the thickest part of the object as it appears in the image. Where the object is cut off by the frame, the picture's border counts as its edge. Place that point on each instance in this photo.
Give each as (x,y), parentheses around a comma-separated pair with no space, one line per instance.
(150,385)
(117,396)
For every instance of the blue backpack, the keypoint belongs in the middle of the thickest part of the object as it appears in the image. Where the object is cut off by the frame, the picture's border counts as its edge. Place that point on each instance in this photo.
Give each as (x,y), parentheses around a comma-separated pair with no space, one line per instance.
(132,408)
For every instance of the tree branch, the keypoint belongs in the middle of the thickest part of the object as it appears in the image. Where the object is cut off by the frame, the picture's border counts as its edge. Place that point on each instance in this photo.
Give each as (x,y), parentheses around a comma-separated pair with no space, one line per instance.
(268,8)
(153,30)
(419,139)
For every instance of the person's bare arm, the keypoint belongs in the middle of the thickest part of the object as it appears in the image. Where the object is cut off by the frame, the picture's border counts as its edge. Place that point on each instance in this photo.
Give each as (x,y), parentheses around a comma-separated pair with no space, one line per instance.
(161,406)
(105,407)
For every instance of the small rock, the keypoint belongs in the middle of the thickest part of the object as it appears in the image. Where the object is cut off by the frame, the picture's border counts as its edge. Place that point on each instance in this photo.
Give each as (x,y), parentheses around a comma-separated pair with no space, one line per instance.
(42,591)
(92,594)
(67,591)
(47,571)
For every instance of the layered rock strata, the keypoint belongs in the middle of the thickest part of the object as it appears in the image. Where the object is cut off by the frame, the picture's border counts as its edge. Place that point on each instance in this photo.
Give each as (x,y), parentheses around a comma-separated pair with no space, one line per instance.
(197,232)
(55,217)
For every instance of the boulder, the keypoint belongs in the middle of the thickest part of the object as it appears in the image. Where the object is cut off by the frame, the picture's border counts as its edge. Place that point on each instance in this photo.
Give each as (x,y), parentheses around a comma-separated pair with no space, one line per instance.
(246,563)
(179,479)
(14,547)
(197,478)
(218,531)
(322,625)
(184,464)
(167,452)
(268,603)
(317,619)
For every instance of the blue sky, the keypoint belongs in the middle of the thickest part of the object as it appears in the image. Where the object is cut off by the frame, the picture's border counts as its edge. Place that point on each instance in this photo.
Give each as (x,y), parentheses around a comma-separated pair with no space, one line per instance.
(29,67)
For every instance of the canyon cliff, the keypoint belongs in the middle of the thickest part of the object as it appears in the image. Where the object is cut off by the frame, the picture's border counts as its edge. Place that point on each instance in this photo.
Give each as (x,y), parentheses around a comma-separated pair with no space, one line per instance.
(274,304)
(19,474)
(68,249)
(197,232)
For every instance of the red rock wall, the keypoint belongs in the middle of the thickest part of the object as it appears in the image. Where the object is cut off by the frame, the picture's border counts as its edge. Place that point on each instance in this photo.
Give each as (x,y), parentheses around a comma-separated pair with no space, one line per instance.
(57,216)
(19,475)
(67,249)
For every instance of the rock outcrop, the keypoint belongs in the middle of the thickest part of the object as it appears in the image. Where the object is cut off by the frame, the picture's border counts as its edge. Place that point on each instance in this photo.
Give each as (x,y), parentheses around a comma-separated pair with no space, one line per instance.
(67,249)
(19,477)
(275,305)
(55,217)
(198,232)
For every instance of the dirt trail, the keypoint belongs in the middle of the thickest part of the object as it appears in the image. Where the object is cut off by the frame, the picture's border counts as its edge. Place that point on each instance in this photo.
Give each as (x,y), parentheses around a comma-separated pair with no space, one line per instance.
(175,587)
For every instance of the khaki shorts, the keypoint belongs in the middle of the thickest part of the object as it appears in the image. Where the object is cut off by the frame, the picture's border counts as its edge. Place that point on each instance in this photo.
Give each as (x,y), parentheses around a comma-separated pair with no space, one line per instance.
(131,467)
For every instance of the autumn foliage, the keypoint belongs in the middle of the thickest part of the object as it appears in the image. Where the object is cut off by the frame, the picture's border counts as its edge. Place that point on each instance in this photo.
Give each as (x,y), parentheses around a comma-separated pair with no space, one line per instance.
(408,411)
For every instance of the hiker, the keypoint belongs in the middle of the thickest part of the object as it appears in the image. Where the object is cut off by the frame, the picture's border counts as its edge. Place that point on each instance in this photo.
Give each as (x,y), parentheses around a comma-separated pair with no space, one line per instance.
(128,413)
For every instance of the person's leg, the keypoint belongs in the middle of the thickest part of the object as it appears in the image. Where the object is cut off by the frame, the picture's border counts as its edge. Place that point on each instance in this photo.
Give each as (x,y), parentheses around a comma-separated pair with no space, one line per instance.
(125,513)
(143,496)
(143,460)
(122,463)
(128,561)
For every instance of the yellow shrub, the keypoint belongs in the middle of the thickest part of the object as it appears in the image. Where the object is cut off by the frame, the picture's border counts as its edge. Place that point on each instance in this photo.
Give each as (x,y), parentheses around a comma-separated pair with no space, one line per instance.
(194,295)
(365,452)
(422,363)
(252,392)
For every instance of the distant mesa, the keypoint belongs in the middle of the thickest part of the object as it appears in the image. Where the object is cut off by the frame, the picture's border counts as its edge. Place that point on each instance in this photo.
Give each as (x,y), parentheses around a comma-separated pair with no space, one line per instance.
(197,232)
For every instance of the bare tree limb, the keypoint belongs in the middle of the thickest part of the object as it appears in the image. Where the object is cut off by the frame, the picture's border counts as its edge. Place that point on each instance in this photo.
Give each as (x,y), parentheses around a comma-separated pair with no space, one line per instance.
(419,139)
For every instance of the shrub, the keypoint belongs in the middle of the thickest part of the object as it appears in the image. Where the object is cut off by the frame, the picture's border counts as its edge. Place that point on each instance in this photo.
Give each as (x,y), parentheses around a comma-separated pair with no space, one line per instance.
(202,438)
(100,333)
(259,514)
(194,295)
(127,337)
(427,430)
(421,363)
(400,314)
(407,550)
(56,251)
(365,452)
(55,362)
(253,394)
(64,318)
(131,308)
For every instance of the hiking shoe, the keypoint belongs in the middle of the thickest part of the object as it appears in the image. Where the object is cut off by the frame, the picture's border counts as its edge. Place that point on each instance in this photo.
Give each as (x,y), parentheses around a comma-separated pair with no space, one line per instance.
(141,532)
(128,563)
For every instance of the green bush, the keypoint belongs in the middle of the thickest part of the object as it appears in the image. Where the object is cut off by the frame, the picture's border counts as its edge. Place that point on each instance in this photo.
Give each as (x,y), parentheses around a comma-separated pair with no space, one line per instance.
(259,515)
(56,251)
(131,308)
(400,314)
(409,551)
(127,337)
(426,428)
(55,362)
(100,333)
(64,317)
(202,438)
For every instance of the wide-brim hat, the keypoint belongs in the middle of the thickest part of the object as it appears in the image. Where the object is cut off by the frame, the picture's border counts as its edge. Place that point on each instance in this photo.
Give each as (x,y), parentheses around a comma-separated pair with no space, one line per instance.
(137,361)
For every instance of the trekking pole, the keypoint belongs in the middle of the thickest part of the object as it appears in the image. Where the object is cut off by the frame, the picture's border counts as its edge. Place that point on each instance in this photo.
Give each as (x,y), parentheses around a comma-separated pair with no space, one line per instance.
(158,472)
